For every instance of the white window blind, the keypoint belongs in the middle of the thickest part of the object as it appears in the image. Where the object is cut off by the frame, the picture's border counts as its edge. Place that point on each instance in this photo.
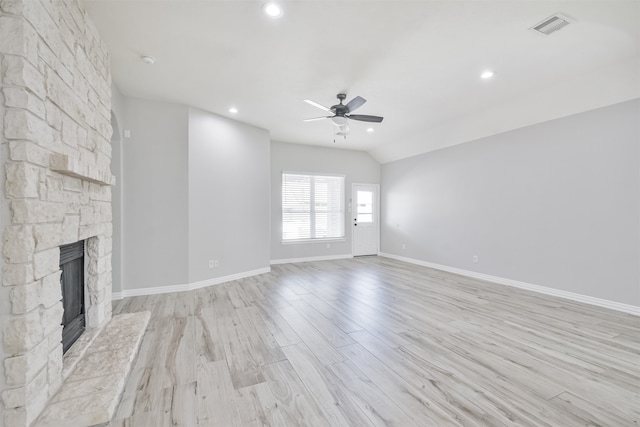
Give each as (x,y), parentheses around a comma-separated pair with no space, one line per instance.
(312,207)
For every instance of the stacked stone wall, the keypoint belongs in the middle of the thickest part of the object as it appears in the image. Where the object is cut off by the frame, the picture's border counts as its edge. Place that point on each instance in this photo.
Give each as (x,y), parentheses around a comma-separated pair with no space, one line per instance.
(56,151)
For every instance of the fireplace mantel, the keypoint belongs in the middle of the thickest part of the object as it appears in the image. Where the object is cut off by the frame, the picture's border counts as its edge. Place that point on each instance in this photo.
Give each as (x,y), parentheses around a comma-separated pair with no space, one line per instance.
(66,165)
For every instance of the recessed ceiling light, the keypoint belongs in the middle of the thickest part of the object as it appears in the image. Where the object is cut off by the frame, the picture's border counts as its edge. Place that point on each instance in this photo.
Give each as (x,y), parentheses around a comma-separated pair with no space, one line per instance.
(272,10)
(487,74)
(148,59)
(370,130)
(233,110)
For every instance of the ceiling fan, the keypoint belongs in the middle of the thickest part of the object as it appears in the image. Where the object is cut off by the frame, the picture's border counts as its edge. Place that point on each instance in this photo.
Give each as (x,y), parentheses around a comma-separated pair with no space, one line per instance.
(343,112)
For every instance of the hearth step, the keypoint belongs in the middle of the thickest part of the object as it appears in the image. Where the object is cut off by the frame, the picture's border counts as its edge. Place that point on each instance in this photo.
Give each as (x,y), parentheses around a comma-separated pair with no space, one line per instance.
(90,395)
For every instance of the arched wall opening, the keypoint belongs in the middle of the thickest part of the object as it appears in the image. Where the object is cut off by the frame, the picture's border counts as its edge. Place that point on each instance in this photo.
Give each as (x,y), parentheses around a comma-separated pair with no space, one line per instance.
(116,203)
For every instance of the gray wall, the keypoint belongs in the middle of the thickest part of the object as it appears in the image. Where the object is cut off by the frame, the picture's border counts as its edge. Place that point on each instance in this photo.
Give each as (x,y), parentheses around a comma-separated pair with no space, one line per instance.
(155,214)
(555,204)
(191,187)
(357,166)
(228,196)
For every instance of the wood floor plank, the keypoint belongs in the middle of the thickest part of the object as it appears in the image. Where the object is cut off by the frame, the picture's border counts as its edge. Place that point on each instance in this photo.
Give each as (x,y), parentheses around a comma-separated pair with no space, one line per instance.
(244,364)
(342,321)
(331,332)
(208,340)
(219,301)
(373,324)
(440,386)
(294,405)
(371,400)
(309,335)
(256,402)
(335,403)
(482,367)
(379,313)
(253,289)
(279,328)
(238,297)
(404,394)
(181,358)
(216,399)
(261,339)
(519,406)
(184,405)
(587,411)
(185,304)
(373,341)
(145,420)
(248,345)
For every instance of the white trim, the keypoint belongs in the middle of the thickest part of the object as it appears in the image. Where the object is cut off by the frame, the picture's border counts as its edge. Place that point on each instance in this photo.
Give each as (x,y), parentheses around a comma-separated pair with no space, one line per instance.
(188,286)
(613,305)
(312,241)
(313,173)
(307,259)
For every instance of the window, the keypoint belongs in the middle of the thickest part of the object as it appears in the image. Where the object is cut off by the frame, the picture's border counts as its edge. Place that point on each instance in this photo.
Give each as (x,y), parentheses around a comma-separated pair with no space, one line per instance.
(312,207)
(364,207)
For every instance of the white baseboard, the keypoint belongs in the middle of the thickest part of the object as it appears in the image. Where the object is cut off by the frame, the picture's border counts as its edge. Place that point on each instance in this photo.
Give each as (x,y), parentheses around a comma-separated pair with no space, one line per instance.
(613,305)
(312,258)
(187,286)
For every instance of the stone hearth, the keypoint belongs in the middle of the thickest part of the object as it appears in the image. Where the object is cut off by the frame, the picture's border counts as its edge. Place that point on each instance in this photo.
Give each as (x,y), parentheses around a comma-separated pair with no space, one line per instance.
(90,395)
(55,156)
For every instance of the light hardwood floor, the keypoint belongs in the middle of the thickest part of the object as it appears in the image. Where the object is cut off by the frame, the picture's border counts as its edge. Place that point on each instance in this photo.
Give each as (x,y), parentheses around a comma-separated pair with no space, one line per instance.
(376,342)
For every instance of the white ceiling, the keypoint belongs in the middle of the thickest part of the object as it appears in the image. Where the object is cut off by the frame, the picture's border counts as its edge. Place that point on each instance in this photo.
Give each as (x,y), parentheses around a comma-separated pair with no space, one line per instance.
(418,64)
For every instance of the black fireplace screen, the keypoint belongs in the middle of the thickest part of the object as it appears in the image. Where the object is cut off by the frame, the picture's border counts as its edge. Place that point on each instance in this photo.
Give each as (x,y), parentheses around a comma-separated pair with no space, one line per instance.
(72,283)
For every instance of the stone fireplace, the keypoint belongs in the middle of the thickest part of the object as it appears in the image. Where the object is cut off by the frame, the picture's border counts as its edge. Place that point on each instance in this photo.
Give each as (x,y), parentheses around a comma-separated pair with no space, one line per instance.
(55,153)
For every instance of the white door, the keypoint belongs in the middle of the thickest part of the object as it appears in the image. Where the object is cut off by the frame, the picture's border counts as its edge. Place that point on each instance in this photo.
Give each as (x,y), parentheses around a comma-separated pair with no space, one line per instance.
(366,224)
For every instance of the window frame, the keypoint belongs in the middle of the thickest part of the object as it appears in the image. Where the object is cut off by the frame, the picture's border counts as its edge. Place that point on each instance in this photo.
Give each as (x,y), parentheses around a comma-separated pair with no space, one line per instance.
(343,238)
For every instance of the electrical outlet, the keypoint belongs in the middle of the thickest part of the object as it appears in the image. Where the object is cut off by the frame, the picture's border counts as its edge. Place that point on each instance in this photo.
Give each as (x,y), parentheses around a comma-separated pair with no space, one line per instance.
(475,258)
(212,263)
(215,263)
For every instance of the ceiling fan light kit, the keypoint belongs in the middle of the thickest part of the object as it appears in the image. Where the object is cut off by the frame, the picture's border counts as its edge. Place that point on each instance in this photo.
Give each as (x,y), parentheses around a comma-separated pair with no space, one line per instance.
(339,120)
(341,113)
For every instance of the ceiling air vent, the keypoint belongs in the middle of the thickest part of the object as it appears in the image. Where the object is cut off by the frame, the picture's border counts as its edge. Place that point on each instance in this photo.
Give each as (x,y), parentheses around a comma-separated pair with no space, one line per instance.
(552,24)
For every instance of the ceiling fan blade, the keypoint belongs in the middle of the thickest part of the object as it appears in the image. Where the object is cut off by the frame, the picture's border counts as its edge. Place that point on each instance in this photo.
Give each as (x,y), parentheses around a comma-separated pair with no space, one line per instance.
(317,118)
(365,118)
(320,106)
(355,103)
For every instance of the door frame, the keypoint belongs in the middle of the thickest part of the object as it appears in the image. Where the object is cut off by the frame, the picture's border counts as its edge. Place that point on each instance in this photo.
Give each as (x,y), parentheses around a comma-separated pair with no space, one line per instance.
(376,212)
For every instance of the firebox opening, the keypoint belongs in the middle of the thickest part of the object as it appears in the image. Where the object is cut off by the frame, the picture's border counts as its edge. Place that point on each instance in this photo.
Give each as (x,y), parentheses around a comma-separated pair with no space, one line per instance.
(72,284)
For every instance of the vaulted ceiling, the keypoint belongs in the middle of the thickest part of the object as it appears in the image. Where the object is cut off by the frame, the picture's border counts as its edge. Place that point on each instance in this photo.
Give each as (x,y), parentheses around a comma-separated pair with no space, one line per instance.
(418,64)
